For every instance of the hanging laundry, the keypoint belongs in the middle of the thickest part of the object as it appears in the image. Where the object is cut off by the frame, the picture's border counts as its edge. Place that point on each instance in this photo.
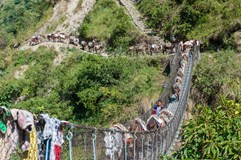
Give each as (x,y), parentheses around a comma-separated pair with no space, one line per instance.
(57,138)
(4,114)
(40,124)
(57,152)
(48,127)
(25,123)
(24,119)
(32,153)
(52,136)
(48,148)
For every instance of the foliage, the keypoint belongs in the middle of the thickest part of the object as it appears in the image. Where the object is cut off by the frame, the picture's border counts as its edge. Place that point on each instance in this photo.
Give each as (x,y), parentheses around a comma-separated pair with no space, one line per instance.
(87,88)
(17,16)
(212,21)
(214,134)
(215,71)
(109,22)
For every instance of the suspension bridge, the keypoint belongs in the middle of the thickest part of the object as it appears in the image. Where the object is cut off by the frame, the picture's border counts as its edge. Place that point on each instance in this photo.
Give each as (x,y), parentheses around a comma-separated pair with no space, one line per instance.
(91,143)
(85,142)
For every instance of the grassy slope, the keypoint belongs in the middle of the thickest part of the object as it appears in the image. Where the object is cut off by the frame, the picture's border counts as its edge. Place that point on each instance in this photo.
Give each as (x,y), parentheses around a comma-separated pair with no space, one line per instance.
(212,21)
(109,22)
(87,88)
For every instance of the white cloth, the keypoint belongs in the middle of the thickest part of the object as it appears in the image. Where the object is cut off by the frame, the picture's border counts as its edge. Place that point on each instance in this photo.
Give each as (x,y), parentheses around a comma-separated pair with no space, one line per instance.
(158,109)
(51,130)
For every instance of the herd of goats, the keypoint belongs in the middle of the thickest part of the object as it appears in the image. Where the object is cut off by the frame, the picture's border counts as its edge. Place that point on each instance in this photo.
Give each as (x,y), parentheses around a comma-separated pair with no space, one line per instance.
(95,46)
(154,122)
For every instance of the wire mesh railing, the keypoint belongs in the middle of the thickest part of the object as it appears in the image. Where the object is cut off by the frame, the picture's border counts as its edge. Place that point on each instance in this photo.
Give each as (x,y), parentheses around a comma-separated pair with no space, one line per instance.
(168,86)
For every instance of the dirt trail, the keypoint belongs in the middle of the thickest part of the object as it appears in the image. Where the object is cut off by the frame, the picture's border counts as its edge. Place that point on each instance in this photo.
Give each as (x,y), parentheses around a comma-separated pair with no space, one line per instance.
(138,20)
(135,15)
(58,11)
(74,19)
(58,46)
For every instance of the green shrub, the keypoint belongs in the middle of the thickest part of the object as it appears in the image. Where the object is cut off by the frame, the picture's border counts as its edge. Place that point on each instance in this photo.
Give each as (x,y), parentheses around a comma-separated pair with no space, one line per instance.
(17,16)
(214,71)
(214,134)
(211,21)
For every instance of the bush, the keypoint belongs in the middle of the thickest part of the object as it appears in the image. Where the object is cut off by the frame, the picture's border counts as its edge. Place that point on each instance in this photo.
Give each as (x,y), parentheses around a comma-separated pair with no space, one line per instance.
(214,134)
(213,72)
(211,21)
(17,16)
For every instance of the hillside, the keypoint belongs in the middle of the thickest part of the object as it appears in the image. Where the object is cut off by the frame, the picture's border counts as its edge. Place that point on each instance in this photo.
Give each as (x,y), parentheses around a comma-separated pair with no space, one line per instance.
(212,21)
(109,22)
(20,19)
(55,78)
(118,84)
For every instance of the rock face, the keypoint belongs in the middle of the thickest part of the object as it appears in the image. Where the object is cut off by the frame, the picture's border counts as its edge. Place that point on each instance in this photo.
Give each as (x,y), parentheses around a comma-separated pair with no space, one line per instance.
(237,38)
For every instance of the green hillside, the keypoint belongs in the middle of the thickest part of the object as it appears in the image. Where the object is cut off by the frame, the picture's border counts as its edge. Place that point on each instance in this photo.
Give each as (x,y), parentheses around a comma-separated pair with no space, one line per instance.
(110,23)
(212,21)
(20,19)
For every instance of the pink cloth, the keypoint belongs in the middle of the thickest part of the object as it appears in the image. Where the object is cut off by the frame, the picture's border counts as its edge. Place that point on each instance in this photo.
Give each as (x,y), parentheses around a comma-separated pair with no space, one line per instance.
(24,119)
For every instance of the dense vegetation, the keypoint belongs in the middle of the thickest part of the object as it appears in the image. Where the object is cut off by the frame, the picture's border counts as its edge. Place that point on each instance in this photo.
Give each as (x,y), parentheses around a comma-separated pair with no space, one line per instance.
(19,19)
(215,132)
(87,88)
(212,21)
(217,74)
(109,22)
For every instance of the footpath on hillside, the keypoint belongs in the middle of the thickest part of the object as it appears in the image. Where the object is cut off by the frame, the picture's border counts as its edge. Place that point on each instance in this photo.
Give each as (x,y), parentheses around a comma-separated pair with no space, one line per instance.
(135,15)
(138,19)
